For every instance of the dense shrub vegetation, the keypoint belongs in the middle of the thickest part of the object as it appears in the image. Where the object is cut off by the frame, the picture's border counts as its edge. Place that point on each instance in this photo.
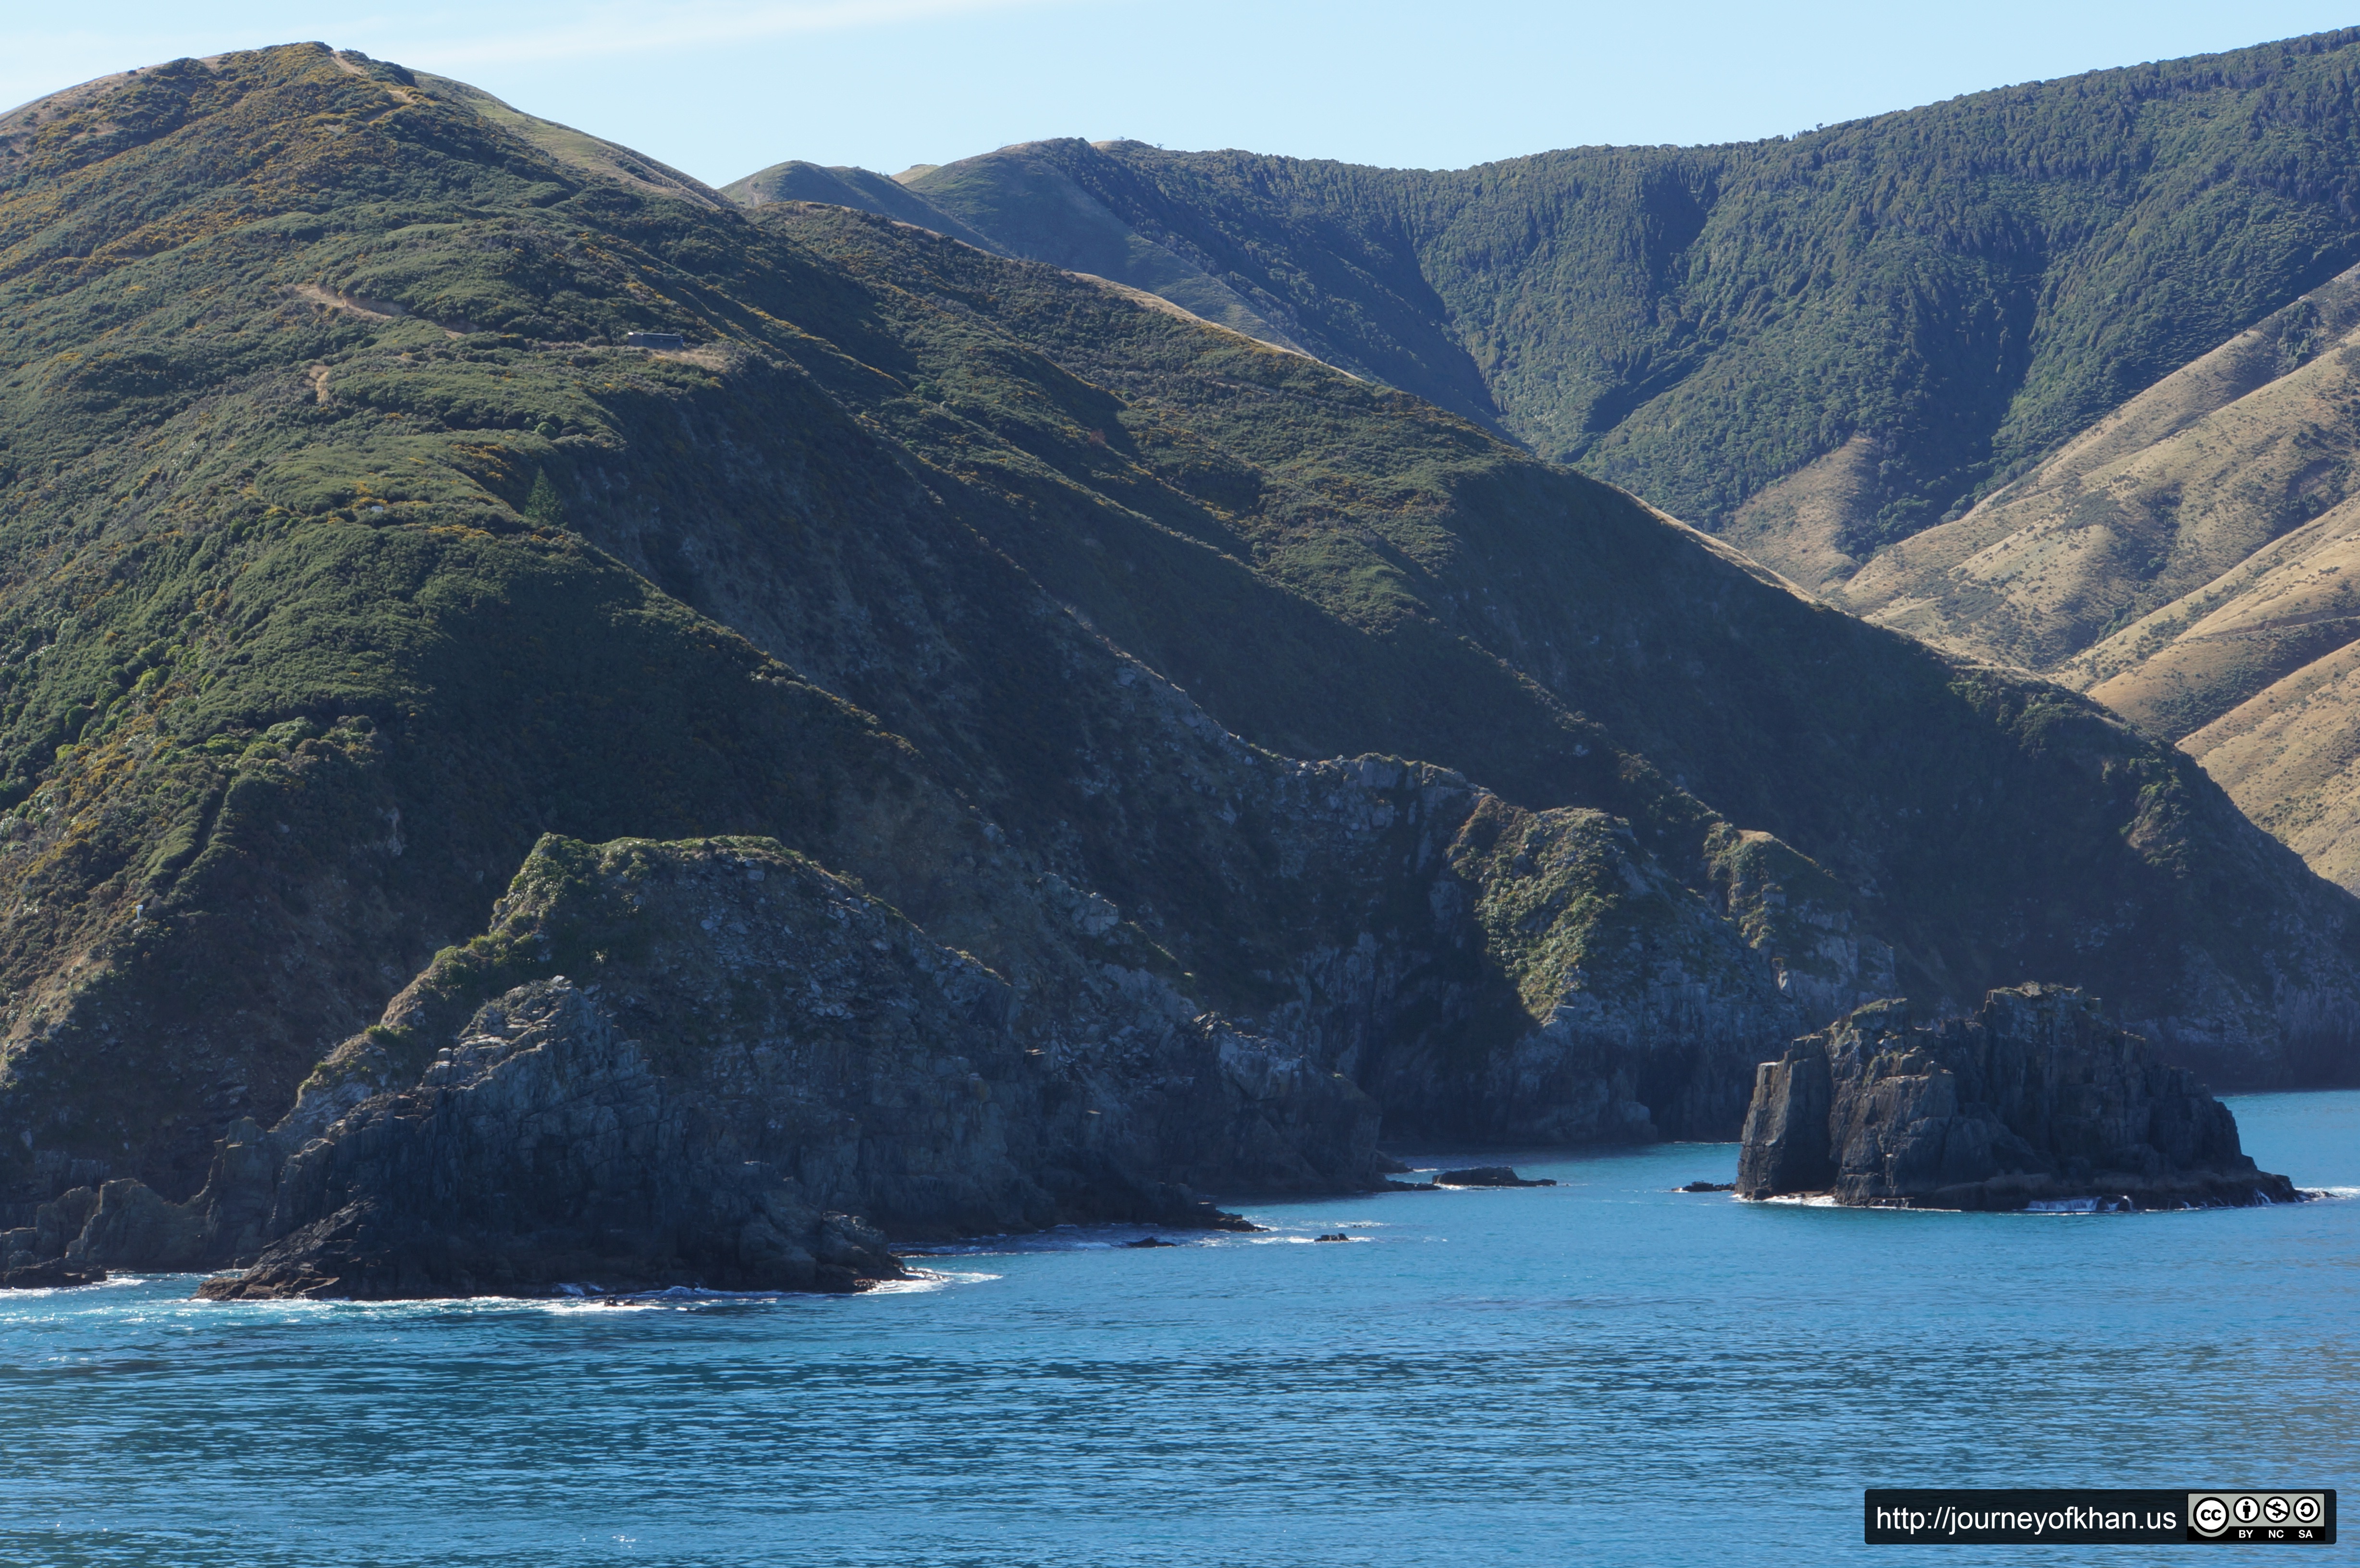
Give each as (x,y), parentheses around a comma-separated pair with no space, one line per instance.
(1970,283)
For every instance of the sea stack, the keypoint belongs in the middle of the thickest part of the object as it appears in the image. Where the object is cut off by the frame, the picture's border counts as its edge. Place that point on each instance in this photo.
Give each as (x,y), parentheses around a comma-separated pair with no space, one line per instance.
(2033,1100)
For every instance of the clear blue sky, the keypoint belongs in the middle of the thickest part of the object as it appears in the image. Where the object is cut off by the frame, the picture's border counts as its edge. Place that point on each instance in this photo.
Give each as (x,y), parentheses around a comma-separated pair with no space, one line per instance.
(722,87)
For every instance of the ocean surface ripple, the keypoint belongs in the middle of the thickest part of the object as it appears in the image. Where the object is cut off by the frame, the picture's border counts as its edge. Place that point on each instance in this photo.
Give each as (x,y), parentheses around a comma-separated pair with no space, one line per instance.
(1607,1371)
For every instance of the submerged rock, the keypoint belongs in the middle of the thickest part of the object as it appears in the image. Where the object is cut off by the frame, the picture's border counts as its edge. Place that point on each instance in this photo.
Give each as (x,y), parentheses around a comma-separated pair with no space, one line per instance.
(2035,1102)
(50,1275)
(1709,1187)
(1488,1176)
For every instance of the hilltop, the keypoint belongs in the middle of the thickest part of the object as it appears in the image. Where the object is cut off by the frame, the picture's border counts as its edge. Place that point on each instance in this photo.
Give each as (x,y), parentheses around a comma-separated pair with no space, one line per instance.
(348,552)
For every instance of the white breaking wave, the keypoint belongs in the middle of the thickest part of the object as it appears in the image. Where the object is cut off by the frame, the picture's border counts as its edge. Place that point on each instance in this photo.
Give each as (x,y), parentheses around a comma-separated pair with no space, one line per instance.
(924,1280)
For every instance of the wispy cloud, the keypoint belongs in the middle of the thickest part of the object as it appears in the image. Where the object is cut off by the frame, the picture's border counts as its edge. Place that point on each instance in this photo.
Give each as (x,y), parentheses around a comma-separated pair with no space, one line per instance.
(45,53)
(610,30)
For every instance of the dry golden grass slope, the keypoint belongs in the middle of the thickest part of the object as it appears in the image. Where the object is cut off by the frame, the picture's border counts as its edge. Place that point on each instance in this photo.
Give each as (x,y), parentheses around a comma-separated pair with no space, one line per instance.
(2287,754)
(2157,500)
(2190,561)
(2251,675)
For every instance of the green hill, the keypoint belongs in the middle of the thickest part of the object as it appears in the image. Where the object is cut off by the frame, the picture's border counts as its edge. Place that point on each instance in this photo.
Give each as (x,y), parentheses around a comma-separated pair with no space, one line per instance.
(871,192)
(1925,301)
(347,548)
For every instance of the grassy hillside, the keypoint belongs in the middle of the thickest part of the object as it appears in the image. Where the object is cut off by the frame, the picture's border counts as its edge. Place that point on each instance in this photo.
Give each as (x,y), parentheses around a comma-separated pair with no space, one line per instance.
(344,551)
(799,181)
(1962,286)
(2294,750)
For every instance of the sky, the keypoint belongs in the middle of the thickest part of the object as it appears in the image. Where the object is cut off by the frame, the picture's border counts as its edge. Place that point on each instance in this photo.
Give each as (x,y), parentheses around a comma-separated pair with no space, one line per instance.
(721,88)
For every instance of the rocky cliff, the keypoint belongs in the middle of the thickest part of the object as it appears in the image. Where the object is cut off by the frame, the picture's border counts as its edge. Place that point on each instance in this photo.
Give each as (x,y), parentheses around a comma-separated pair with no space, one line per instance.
(752,1066)
(713,1061)
(542,1148)
(2035,1099)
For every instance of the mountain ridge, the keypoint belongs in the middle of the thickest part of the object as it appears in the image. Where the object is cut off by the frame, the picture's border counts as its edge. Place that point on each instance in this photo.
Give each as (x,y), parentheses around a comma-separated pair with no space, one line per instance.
(1624,308)
(1991,213)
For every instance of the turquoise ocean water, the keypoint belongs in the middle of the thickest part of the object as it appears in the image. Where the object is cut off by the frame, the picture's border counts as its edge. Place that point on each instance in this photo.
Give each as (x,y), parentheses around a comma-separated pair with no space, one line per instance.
(1602,1372)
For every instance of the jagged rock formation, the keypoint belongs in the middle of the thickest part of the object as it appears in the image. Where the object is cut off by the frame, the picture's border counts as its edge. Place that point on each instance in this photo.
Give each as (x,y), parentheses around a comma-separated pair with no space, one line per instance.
(49,1276)
(543,1149)
(2035,1099)
(758,1066)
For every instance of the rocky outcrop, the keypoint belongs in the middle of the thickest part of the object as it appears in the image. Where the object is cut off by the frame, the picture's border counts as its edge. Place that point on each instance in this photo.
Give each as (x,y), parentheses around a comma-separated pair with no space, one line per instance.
(759,1073)
(544,1149)
(125,1224)
(2033,1100)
